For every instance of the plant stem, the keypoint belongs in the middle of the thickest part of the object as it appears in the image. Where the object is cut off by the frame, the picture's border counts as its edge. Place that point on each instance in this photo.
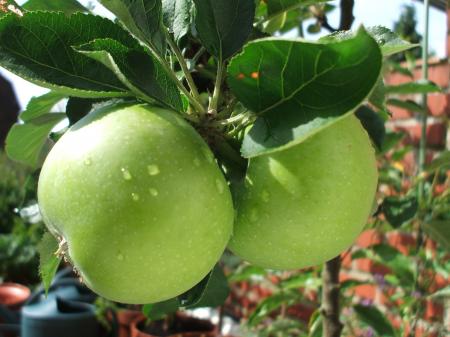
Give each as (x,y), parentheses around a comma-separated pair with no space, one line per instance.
(424,116)
(332,326)
(213,105)
(196,104)
(198,54)
(228,111)
(232,120)
(184,67)
(244,124)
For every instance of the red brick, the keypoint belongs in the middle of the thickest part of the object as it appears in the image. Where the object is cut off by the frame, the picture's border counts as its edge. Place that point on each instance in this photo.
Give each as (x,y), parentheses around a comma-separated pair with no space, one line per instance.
(430,245)
(409,165)
(433,311)
(301,311)
(394,319)
(438,72)
(404,242)
(344,277)
(346,260)
(436,134)
(399,113)
(367,291)
(369,266)
(438,282)
(396,78)
(369,238)
(439,104)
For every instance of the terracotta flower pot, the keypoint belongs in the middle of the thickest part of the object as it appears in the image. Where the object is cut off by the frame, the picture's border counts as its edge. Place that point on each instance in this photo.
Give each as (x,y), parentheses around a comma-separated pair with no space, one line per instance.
(190,326)
(13,295)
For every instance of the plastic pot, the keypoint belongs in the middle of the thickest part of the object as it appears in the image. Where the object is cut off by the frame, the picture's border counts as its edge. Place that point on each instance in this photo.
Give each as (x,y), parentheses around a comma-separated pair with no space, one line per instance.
(188,327)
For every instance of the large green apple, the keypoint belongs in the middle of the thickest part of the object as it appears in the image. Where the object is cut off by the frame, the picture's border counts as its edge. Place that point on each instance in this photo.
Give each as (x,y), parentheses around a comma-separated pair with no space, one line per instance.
(303,206)
(139,199)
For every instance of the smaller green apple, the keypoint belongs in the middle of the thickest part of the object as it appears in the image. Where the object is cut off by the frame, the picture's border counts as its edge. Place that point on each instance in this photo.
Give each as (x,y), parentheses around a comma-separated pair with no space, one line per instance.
(304,205)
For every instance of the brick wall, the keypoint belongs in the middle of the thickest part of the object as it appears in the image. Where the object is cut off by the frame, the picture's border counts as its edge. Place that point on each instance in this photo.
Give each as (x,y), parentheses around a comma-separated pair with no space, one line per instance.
(438,105)
(438,138)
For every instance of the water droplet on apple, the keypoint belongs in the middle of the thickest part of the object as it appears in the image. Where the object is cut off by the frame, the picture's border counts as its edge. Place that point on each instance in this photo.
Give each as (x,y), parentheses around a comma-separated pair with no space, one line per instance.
(154,192)
(265,196)
(120,257)
(135,196)
(88,162)
(126,174)
(219,186)
(153,170)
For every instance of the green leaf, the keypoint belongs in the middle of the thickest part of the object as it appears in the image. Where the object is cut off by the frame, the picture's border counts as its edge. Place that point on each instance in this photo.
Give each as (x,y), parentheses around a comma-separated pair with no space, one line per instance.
(375,319)
(299,281)
(299,88)
(215,293)
(178,16)
(389,42)
(401,265)
(66,6)
(401,70)
(442,160)
(399,210)
(270,304)
(137,70)
(407,105)
(224,25)
(275,24)
(41,52)
(49,262)
(77,108)
(378,95)
(212,291)
(315,325)
(391,140)
(419,87)
(439,230)
(41,105)
(142,18)
(275,7)
(247,272)
(373,124)
(157,311)
(25,142)
(361,254)
(351,283)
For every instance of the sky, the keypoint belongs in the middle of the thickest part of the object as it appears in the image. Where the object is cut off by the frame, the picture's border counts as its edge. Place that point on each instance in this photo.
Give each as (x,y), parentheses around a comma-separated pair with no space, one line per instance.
(369,12)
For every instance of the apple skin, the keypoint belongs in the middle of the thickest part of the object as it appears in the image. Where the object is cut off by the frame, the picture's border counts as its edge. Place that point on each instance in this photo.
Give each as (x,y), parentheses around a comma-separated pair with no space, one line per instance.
(305,205)
(143,206)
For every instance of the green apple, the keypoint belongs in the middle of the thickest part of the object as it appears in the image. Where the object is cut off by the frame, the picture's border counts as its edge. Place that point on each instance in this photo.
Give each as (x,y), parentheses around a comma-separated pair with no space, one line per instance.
(137,196)
(304,205)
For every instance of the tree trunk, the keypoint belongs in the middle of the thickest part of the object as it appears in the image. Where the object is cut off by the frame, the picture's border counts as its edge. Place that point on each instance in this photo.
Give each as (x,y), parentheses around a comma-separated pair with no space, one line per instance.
(332,326)
(347,17)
